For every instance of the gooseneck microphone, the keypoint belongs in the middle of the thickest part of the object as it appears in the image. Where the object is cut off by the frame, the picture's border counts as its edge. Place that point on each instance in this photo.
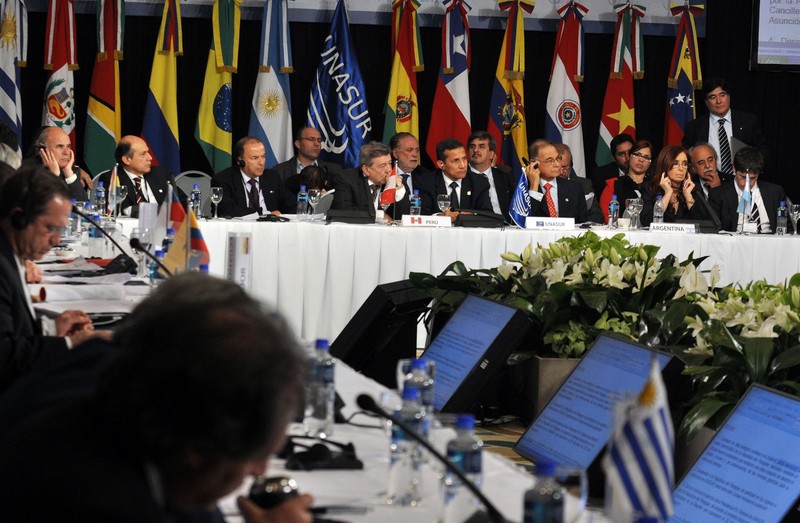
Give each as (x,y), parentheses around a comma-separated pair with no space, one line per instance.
(136,244)
(126,263)
(366,402)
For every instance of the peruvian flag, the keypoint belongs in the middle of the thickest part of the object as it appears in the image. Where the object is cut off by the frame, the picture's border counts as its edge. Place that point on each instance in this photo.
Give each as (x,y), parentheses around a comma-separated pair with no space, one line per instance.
(451,114)
(60,58)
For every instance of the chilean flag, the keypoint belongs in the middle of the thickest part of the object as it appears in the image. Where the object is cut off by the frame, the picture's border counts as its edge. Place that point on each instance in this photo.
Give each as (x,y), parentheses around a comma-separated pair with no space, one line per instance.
(451,114)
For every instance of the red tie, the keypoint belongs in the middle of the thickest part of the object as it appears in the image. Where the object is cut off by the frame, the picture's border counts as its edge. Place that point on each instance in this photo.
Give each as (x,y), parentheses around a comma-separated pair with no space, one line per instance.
(551,206)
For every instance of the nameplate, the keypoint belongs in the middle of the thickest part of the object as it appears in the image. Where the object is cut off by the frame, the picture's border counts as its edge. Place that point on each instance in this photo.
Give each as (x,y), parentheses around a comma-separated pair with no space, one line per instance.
(426,221)
(541,222)
(239,263)
(673,227)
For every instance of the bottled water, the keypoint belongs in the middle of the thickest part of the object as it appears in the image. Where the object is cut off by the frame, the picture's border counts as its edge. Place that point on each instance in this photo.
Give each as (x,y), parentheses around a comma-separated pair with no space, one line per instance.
(418,378)
(416,203)
(658,210)
(405,454)
(100,198)
(465,452)
(154,275)
(320,393)
(169,239)
(781,226)
(302,204)
(194,199)
(544,503)
(613,213)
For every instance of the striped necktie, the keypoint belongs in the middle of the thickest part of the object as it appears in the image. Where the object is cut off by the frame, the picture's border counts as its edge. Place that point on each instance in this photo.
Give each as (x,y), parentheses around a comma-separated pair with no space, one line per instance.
(724,148)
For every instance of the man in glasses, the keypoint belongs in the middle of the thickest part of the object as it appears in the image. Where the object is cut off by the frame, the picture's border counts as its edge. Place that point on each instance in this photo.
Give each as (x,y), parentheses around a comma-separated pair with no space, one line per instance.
(620,147)
(308,144)
(725,129)
(550,194)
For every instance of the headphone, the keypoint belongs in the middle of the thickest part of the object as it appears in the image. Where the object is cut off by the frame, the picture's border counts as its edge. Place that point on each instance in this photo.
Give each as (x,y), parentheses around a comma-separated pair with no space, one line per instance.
(240,163)
(20,218)
(319,455)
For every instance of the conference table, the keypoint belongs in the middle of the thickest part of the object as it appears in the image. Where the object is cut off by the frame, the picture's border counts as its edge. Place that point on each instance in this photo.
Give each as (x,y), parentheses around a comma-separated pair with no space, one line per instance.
(318,275)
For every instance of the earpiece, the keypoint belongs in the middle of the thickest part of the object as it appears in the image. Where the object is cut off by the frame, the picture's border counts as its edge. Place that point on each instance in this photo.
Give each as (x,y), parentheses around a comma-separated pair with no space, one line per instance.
(240,163)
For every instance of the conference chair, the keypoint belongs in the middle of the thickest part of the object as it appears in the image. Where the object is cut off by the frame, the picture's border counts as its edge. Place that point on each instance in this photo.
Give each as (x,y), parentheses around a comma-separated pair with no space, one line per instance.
(186,180)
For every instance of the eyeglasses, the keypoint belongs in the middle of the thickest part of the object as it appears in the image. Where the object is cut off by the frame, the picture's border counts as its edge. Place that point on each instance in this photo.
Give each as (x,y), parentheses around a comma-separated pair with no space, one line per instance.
(313,140)
(547,161)
(642,157)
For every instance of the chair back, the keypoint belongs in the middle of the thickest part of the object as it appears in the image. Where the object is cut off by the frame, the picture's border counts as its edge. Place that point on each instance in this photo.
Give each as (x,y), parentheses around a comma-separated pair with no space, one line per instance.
(185,182)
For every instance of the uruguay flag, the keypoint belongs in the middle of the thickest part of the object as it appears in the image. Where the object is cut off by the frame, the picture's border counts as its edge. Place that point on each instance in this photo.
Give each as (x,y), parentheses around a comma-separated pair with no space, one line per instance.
(270,114)
(451,102)
(564,117)
(338,104)
(12,54)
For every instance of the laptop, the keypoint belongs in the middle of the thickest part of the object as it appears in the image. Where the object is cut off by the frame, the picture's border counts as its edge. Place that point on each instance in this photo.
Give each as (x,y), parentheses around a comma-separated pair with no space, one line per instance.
(750,471)
(575,426)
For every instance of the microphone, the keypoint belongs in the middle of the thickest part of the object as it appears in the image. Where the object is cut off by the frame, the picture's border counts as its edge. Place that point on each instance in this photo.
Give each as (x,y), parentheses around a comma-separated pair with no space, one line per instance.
(123,261)
(136,244)
(366,402)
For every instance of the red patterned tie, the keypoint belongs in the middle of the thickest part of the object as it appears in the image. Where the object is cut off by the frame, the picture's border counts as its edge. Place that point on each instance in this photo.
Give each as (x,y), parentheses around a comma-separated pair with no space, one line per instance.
(551,206)
(139,195)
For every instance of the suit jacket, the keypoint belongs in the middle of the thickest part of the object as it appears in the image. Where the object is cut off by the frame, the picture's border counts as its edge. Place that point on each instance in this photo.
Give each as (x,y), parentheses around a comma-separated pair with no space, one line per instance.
(594,214)
(353,194)
(725,202)
(504,186)
(289,168)
(745,128)
(22,346)
(571,201)
(601,174)
(158,179)
(235,200)
(76,189)
(474,194)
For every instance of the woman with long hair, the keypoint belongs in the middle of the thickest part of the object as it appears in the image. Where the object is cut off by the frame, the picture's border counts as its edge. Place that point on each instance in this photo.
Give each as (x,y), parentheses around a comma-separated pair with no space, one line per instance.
(672,182)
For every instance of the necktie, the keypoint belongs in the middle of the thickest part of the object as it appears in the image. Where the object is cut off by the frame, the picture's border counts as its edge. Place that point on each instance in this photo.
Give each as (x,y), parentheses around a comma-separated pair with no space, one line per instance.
(374,190)
(551,206)
(253,196)
(137,182)
(755,217)
(454,196)
(724,148)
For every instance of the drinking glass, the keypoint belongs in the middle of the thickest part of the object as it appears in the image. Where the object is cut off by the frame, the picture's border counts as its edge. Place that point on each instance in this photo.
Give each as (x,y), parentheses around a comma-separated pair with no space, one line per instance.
(120,193)
(145,237)
(634,208)
(313,200)
(443,201)
(794,214)
(216,197)
(574,482)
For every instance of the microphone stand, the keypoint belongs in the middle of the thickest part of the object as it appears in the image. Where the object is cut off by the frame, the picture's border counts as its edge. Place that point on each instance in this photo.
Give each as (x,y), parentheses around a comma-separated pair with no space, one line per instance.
(366,402)
(136,244)
(126,262)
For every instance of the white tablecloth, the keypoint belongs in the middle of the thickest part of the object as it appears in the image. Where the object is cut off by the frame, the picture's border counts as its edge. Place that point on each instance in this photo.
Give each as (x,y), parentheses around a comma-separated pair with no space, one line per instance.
(318,275)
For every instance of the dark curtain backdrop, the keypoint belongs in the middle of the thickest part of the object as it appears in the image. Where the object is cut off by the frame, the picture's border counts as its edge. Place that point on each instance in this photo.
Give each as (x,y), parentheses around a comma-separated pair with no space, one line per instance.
(724,52)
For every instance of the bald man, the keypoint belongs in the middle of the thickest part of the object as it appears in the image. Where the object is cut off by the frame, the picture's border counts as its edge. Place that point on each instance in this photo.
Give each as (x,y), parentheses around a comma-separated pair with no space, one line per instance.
(53,148)
(135,169)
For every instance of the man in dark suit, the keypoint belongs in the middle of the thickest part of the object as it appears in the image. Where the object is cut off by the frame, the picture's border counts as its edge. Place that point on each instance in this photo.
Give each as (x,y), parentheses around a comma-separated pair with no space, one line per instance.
(594,215)
(34,209)
(196,396)
(765,196)
(308,144)
(551,195)
(467,190)
(482,147)
(405,151)
(737,124)
(248,188)
(363,189)
(135,170)
(52,148)
(620,147)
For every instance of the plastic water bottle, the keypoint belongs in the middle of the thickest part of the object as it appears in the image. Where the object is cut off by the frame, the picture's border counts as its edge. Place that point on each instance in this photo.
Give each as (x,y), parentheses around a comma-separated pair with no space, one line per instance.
(613,213)
(194,198)
(418,378)
(154,275)
(75,219)
(96,242)
(169,239)
(405,454)
(100,198)
(320,394)
(416,203)
(544,503)
(465,452)
(781,226)
(302,204)
(658,210)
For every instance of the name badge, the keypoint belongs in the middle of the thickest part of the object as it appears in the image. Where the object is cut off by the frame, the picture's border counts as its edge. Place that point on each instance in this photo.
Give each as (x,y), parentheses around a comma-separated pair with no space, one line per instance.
(673,227)
(426,221)
(547,223)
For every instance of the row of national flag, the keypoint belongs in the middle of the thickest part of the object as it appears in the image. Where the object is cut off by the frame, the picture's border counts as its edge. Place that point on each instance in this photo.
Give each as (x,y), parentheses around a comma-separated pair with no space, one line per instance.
(344,120)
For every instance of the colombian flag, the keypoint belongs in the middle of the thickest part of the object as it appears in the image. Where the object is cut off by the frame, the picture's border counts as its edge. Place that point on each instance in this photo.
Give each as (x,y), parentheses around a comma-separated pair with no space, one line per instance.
(401,104)
(189,250)
(160,125)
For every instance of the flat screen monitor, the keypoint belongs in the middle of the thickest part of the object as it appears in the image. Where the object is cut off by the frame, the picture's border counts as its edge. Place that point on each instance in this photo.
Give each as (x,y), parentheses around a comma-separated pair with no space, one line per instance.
(577,423)
(774,39)
(383,331)
(473,345)
(750,471)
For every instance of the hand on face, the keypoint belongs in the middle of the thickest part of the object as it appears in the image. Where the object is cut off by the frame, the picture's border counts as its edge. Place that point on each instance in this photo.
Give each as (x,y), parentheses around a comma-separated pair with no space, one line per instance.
(688,187)
(50,161)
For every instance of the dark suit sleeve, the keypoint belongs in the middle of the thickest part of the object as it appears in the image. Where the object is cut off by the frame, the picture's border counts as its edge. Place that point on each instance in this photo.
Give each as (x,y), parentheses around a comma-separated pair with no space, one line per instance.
(231,204)
(581,211)
(481,201)
(76,189)
(344,198)
(427,193)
